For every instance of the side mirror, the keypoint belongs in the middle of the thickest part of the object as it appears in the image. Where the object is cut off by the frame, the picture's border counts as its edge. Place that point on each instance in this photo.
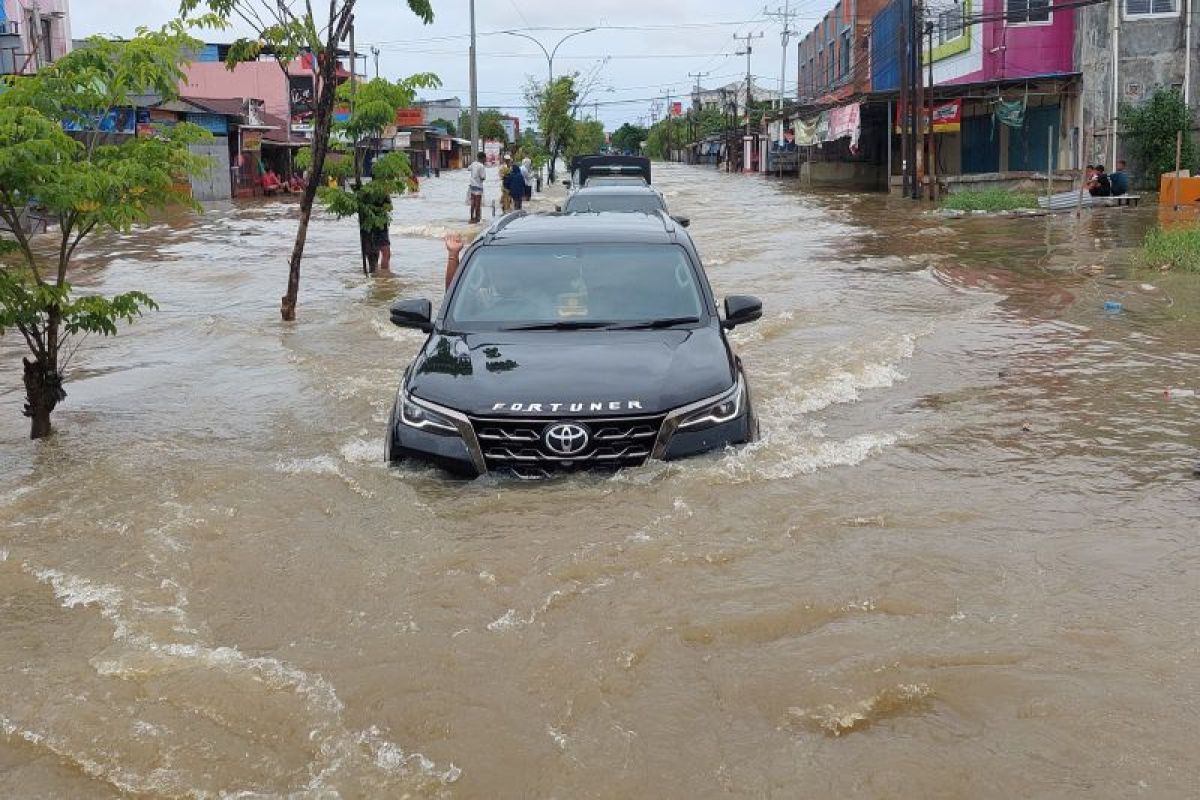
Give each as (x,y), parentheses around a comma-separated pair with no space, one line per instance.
(567,184)
(413,314)
(683,221)
(740,309)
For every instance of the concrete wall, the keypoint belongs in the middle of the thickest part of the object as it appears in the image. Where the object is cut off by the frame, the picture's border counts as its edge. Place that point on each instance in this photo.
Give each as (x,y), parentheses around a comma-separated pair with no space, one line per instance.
(58,12)
(1151,56)
(842,175)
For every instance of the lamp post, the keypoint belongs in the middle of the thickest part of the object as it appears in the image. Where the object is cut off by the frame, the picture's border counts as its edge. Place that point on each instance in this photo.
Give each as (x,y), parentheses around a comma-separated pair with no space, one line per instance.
(550,53)
(550,70)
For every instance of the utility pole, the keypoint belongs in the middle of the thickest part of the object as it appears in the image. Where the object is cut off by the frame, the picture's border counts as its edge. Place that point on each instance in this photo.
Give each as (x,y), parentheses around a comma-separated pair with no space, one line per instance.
(375,52)
(784,15)
(748,38)
(906,129)
(474,92)
(696,97)
(919,102)
(932,162)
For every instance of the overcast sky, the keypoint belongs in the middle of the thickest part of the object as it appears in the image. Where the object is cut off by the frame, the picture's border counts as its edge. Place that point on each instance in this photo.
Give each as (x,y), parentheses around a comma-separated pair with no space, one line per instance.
(662,42)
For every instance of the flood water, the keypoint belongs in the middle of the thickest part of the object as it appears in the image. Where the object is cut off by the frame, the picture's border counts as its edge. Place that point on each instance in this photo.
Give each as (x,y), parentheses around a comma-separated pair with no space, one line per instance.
(962,562)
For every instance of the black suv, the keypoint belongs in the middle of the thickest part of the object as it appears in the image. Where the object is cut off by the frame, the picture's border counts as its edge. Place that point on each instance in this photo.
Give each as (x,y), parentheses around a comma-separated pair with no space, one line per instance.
(572,341)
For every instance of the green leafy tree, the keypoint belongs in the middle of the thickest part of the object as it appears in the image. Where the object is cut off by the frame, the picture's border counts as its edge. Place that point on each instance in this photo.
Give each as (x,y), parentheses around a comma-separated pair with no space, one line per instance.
(373,110)
(1149,130)
(664,135)
(490,126)
(529,145)
(553,106)
(284,30)
(586,138)
(86,184)
(445,125)
(629,138)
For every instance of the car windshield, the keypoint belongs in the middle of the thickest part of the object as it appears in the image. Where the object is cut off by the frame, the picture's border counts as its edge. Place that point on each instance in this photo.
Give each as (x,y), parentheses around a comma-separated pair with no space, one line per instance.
(646,202)
(576,286)
(616,180)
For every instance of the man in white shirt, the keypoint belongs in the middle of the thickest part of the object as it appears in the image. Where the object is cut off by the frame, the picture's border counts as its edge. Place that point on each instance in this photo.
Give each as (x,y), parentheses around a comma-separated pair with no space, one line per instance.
(475,190)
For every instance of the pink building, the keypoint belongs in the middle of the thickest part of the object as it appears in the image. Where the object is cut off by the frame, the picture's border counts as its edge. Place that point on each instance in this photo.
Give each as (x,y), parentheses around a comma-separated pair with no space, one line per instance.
(33,33)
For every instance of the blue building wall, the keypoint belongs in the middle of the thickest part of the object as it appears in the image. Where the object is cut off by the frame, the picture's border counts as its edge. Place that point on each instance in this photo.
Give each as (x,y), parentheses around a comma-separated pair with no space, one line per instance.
(885,48)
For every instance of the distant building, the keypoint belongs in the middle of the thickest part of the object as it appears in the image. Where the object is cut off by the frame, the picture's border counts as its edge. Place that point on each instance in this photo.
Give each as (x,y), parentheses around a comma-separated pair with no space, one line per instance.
(835,56)
(33,33)
(448,109)
(731,94)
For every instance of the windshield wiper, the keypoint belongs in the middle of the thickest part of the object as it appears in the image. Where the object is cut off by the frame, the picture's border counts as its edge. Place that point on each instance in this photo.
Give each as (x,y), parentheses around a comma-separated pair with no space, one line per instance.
(655,324)
(561,325)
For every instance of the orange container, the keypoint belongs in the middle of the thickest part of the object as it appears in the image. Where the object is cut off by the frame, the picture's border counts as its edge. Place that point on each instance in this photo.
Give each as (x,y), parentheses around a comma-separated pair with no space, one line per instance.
(1189,190)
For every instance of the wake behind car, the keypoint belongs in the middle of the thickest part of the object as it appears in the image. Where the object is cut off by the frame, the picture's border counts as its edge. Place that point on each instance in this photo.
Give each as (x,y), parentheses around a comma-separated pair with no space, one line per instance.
(573,341)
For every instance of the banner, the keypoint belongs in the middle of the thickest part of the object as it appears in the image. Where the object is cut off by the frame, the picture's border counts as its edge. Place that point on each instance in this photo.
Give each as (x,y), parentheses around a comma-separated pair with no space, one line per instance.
(251,140)
(947,117)
(676,109)
(804,132)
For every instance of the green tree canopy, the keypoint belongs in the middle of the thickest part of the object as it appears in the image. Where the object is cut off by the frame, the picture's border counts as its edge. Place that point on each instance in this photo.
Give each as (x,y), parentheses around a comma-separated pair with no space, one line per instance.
(490,126)
(1150,129)
(85,183)
(629,138)
(586,138)
(553,106)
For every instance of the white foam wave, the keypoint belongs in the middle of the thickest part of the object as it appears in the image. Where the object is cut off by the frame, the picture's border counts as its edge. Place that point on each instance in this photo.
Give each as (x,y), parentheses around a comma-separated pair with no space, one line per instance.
(363,451)
(317,465)
(339,748)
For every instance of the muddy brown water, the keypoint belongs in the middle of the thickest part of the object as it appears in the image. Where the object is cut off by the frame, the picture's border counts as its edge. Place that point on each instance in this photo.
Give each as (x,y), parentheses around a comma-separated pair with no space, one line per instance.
(962,562)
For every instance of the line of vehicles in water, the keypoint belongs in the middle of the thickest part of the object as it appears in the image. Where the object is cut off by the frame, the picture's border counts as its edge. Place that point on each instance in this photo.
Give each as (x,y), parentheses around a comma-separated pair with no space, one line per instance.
(587,338)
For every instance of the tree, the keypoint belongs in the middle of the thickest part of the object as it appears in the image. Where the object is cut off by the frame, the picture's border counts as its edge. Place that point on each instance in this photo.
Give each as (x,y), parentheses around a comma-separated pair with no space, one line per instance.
(553,106)
(490,125)
(285,33)
(445,125)
(664,134)
(374,109)
(86,184)
(1150,129)
(628,138)
(586,138)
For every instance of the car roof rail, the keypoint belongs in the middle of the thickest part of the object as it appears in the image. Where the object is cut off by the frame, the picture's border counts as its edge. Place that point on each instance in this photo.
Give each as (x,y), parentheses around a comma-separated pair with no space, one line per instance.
(668,224)
(502,223)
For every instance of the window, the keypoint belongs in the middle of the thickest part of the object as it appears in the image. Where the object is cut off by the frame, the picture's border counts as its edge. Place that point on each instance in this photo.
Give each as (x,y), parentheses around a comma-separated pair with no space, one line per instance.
(1151,8)
(47,39)
(1028,12)
(845,54)
(950,25)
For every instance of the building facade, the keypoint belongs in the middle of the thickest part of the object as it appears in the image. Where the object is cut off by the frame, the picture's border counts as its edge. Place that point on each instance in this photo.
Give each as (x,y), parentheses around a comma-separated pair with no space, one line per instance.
(33,33)
(834,57)
(1126,50)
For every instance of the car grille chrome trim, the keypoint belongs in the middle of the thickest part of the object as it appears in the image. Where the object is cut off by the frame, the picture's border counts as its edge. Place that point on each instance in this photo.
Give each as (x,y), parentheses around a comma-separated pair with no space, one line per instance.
(515,443)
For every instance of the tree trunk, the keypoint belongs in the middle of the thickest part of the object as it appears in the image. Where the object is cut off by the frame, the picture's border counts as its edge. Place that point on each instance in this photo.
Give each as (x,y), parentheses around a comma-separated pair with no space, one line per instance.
(43,391)
(321,125)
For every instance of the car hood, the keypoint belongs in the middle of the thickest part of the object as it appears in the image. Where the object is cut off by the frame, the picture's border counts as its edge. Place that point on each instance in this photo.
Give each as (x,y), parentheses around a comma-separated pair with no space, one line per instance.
(555,374)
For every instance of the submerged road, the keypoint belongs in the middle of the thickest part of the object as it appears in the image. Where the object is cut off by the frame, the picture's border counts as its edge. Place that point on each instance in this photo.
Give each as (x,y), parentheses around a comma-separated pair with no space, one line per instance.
(962,562)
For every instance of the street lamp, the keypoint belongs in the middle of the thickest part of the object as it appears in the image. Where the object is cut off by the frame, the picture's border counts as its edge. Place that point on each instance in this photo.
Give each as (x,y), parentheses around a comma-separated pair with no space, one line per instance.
(550,68)
(550,53)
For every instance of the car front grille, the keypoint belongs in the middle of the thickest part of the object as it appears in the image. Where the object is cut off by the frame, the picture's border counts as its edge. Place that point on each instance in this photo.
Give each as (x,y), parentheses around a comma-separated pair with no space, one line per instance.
(518,445)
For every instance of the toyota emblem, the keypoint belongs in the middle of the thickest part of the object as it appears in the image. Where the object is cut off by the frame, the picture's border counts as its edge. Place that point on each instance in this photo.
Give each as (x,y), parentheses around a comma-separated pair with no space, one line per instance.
(566,438)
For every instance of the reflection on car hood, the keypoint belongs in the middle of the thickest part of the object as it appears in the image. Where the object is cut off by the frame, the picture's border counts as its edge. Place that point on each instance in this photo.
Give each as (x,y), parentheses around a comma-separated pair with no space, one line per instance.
(593,373)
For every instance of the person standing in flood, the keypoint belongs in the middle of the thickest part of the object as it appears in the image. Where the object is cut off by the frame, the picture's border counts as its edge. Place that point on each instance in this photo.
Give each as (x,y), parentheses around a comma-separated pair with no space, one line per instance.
(527,174)
(506,168)
(517,187)
(475,188)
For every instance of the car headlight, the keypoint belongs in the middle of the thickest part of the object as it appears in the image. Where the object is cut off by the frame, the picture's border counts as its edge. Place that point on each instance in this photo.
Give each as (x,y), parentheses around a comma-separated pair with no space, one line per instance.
(416,414)
(722,409)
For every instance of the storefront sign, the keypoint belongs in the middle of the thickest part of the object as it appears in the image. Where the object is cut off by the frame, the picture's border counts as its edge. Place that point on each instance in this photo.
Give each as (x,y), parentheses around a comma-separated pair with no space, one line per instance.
(251,140)
(213,123)
(947,117)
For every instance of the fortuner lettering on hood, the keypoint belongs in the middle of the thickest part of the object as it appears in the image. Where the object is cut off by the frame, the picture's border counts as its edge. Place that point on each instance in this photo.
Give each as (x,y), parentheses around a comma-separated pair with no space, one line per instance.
(572,408)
